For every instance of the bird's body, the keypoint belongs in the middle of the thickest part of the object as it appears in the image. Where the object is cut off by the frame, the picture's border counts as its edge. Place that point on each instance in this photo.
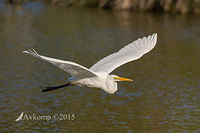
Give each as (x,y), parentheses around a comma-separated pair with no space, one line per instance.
(102,80)
(98,75)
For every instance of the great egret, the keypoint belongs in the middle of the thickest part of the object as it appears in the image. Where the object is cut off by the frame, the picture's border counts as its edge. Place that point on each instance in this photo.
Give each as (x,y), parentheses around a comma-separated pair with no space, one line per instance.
(98,75)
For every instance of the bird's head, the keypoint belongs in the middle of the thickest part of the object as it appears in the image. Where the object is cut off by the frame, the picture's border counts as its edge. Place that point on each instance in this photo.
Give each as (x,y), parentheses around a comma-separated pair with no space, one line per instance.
(117,78)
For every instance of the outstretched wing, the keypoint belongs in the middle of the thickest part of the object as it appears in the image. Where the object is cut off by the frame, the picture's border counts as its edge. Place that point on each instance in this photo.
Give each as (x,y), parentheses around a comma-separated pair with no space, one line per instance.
(132,51)
(74,69)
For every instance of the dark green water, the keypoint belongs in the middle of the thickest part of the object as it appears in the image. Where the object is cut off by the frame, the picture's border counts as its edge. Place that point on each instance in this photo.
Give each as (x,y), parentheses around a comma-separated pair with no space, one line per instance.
(164,96)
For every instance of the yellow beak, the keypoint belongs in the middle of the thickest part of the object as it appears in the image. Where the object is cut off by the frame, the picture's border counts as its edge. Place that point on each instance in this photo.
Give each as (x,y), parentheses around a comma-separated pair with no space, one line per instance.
(123,79)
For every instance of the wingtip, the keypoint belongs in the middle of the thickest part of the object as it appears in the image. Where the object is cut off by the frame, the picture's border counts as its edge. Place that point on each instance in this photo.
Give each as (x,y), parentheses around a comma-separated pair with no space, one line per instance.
(25,51)
(155,38)
(33,52)
(154,34)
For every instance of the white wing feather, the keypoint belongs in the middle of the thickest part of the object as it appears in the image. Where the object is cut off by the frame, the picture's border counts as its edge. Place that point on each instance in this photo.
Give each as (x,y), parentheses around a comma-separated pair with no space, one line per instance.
(132,51)
(76,70)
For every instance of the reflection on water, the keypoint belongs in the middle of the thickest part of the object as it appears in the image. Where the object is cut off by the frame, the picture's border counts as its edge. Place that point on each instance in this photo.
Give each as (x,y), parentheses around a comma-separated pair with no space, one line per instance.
(164,96)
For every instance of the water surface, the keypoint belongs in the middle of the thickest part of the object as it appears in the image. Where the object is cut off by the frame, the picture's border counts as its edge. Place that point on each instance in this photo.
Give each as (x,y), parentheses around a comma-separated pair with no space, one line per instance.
(164,96)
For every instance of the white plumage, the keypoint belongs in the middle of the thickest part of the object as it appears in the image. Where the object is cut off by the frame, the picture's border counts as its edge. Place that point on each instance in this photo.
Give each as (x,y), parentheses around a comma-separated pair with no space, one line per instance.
(98,75)
(130,52)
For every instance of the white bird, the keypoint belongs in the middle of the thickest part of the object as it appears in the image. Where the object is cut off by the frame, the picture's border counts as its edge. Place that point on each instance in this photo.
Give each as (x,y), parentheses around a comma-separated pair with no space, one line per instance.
(98,75)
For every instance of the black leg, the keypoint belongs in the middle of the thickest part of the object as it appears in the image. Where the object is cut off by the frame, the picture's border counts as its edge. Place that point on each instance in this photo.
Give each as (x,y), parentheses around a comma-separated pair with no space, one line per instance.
(57,87)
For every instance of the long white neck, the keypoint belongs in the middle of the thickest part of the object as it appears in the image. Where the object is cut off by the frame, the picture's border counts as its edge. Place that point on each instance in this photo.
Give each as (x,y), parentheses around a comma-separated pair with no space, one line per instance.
(111,86)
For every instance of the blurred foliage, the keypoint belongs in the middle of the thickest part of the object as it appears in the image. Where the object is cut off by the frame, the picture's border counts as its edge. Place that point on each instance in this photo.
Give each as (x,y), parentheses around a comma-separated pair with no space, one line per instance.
(15,1)
(178,6)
